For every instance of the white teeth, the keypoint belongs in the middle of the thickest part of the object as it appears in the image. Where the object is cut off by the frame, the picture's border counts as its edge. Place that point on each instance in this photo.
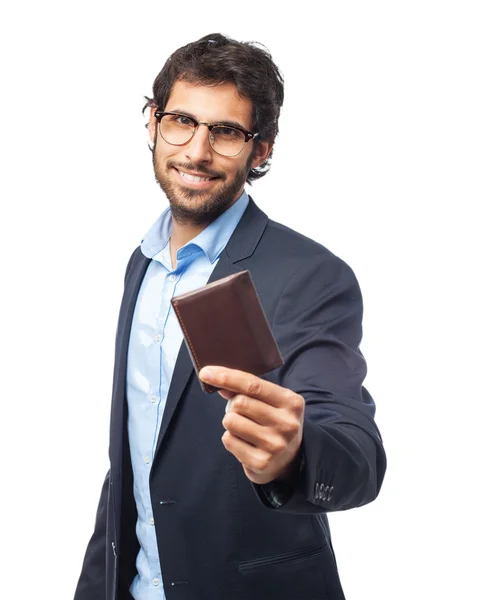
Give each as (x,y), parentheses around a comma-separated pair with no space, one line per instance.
(193,177)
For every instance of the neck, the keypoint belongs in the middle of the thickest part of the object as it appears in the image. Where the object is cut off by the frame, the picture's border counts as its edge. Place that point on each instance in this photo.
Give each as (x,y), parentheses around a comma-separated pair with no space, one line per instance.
(184,230)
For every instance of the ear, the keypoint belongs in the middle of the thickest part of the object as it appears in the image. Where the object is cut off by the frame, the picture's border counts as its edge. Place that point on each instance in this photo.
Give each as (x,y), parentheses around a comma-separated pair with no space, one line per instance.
(262,152)
(152,125)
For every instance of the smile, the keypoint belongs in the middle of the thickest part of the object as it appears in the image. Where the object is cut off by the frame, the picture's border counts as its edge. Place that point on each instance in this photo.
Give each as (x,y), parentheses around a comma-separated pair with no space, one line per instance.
(189,177)
(196,181)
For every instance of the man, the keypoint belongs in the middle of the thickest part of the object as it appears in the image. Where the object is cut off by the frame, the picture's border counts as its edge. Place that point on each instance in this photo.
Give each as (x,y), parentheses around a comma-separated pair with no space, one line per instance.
(199,503)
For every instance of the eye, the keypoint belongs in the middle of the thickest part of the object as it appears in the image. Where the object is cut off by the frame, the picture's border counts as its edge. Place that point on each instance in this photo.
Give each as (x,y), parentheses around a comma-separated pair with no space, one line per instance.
(227,132)
(182,120)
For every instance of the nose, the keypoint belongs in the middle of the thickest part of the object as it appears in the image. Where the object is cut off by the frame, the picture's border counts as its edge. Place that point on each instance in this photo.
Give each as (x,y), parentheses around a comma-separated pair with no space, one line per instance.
(198,149)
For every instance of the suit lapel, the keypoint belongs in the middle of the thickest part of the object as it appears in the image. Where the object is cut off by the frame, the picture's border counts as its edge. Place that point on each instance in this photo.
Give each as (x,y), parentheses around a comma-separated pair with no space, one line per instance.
(241,245)
(184,370)
(139,264)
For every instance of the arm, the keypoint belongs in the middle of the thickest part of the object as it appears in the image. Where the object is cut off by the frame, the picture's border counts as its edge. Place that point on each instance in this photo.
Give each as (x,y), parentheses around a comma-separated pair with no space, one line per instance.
(92,581)
(309,440)
(319,324)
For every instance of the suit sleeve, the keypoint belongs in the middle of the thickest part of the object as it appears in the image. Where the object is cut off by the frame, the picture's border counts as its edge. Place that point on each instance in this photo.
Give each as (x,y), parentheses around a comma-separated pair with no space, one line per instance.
(92,581)
(318,327)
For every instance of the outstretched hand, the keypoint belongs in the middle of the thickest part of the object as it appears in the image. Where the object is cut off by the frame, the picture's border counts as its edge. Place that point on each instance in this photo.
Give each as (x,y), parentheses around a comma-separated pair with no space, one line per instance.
(263,422)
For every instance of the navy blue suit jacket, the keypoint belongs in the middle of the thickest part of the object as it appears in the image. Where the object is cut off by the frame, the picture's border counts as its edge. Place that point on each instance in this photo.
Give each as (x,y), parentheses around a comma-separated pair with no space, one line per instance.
(218,537)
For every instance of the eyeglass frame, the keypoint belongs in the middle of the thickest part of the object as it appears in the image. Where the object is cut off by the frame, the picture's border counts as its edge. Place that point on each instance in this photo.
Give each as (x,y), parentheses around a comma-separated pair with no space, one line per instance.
(248,135)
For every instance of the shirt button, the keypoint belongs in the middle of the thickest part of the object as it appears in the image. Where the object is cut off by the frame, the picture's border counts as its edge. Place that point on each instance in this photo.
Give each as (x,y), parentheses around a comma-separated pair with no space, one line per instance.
(153,399)
(151,521)
(158,337)
(147,460)
(156,581)
(172,277)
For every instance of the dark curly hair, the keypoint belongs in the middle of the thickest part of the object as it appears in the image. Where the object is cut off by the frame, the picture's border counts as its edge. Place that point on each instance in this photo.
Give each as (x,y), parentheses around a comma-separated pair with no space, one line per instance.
(216,59)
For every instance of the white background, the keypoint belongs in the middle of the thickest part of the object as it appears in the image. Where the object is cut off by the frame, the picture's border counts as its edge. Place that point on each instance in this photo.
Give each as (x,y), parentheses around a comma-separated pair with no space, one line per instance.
(377,159)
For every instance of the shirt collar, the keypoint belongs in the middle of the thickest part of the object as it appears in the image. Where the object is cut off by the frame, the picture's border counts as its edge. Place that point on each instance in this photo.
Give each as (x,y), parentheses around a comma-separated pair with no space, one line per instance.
(211,240)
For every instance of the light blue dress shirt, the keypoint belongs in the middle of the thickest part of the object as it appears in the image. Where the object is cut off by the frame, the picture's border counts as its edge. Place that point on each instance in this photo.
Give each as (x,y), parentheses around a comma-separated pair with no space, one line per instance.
(155,341)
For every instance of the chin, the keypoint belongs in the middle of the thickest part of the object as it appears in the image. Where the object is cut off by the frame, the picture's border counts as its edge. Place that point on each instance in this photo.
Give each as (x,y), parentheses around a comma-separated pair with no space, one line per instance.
(198,208)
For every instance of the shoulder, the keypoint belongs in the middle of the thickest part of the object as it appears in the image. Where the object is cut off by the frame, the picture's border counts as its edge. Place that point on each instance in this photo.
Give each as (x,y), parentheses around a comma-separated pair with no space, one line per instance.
(292,242)
(295,254)
(314,289)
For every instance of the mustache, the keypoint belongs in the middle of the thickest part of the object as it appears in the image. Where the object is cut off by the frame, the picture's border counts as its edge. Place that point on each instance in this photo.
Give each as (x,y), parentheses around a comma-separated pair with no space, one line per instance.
(197,168)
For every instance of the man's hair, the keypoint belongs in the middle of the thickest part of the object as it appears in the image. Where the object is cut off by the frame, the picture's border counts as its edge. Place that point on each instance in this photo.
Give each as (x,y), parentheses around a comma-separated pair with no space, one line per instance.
(216,59)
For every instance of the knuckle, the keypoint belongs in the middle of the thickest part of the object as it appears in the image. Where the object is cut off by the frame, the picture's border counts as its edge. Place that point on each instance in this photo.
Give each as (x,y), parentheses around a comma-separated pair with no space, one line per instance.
(239,401)
(276,445)
(229,420)
(290,427)
(254,388)
(296,402)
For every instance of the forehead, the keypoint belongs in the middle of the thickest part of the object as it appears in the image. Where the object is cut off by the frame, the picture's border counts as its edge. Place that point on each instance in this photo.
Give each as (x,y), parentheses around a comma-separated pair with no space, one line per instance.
(212,104)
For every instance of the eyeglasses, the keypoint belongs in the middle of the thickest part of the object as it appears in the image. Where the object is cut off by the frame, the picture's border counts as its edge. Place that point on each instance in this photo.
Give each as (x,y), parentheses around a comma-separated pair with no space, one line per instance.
(177,129)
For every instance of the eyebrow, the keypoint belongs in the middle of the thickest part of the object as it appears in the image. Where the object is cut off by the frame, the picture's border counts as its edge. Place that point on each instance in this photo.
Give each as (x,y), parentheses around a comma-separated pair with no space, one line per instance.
(225,122)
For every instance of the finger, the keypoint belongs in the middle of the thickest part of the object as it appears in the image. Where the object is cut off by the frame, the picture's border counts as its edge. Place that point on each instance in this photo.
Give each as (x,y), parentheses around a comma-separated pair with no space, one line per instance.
(284,421)
(226,394)
(247,384)
(256,410)
(252,458)
(263,438)
(259,477)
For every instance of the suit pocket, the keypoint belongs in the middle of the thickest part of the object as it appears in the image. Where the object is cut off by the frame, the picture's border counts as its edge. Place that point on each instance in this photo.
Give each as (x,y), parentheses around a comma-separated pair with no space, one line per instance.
(296,556)
(308,573)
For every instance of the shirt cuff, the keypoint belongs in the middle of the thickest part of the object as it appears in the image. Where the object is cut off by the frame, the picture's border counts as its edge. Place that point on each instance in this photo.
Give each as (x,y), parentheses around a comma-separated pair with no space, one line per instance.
(276,493)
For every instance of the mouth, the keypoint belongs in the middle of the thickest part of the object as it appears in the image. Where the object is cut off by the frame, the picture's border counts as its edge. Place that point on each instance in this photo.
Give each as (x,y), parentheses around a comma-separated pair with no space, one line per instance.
(198,181)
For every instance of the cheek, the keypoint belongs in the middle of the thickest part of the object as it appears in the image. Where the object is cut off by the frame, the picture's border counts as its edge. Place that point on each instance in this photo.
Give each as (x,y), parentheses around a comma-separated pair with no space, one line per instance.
(163,154)
(232,169)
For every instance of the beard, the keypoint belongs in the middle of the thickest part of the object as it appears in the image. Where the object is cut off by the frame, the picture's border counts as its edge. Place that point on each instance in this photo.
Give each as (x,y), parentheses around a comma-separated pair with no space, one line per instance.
(198,207)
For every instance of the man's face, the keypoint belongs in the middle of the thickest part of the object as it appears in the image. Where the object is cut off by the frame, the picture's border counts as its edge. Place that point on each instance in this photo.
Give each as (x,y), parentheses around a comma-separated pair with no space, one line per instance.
(177,167)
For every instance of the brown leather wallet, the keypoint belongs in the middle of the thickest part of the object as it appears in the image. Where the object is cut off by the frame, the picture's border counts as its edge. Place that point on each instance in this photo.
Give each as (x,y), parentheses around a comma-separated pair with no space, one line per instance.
(224,324)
